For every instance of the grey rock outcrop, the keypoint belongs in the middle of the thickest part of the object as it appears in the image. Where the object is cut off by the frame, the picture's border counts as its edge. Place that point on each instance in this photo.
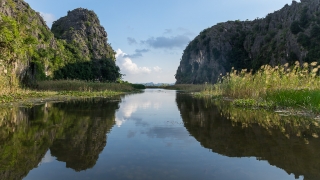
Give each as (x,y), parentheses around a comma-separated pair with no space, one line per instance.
(81,27)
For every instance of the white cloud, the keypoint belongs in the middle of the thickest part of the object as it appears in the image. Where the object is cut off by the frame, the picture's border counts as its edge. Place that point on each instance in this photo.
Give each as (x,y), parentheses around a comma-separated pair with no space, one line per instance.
(127,66)
(49,18)
(157,69)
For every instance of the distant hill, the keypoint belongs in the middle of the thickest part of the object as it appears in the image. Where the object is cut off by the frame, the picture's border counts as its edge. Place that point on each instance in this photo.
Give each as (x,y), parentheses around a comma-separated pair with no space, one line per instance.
(287,35)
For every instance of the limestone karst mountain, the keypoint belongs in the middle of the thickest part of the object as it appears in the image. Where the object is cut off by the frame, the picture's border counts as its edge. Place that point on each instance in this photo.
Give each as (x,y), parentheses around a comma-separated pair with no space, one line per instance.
(29,51)
(287,35)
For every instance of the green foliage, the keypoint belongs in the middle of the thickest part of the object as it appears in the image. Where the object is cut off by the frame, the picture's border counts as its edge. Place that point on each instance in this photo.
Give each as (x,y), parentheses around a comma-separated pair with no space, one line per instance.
(138,86)
(238,56)
(304,19)
(87,23)
(295,27)
(101,70)
(304,98)
(311,43)
(304,40)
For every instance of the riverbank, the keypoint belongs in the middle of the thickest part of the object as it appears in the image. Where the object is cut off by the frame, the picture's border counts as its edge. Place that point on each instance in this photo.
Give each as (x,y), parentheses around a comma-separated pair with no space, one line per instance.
(65,89)
(279,87)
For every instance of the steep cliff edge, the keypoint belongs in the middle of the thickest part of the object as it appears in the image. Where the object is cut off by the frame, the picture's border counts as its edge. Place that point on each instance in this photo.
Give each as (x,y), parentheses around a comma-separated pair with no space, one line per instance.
(287,35)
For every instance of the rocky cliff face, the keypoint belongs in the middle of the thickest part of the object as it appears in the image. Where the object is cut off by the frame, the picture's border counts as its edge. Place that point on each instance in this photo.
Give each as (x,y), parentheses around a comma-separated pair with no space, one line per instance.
(82,29)
(287,35)
(27,46)
(92,57)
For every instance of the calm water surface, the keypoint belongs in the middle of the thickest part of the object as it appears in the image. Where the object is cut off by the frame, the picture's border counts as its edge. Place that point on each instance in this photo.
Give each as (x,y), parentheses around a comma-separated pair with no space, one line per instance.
(158,134)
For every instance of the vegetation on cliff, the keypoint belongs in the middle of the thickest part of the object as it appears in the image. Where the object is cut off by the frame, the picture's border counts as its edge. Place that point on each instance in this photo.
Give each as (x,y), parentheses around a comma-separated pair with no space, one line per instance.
(92,57)
(76,48)
(30,52)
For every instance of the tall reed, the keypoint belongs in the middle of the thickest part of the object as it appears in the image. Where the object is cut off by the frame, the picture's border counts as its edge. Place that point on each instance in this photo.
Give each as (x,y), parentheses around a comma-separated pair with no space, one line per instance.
(298,85)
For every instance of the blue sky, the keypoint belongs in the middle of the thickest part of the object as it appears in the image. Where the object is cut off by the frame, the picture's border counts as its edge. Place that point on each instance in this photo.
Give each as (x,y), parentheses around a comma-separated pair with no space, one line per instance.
(149,36)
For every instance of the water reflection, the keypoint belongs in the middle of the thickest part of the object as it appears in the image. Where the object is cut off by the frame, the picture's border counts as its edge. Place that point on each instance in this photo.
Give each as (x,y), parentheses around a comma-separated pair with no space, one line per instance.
(74,131)
(162,135)
(132,103)
(289,143)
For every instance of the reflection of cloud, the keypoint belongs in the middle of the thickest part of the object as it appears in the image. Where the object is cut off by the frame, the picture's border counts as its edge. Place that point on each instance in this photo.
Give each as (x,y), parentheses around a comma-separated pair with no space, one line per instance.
(128,108)
(140,122)
(47,158)
(156,105)
(168,132)
(131,134)
(119,122)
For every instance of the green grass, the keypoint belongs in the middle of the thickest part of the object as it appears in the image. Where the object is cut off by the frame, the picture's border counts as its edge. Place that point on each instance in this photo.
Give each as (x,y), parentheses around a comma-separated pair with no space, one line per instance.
(89,94)
(305,98)
(254,103)
(87,86)
(21,94)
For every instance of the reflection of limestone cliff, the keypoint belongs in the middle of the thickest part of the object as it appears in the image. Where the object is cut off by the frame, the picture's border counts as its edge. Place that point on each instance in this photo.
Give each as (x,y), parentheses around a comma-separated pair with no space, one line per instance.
(85,138)
(282,141)
(26,134)
(24,140)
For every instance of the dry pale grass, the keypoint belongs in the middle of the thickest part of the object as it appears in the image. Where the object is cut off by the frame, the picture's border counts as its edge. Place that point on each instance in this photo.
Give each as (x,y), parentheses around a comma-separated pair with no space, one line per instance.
(244,84)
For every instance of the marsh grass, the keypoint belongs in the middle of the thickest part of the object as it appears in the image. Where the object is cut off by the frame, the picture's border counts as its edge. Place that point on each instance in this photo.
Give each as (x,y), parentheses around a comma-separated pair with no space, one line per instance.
(73,88)
(188,87)
(296,86)
(22,94)
(305,98)
(83,86)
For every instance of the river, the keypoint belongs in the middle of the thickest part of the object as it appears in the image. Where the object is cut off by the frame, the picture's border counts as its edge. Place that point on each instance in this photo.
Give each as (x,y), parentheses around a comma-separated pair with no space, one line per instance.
(157,134)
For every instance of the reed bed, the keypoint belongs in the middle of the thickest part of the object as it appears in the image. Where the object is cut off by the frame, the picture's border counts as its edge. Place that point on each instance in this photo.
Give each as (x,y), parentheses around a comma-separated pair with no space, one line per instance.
(295,86)
(86,86)
(74,88)
(187,87)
